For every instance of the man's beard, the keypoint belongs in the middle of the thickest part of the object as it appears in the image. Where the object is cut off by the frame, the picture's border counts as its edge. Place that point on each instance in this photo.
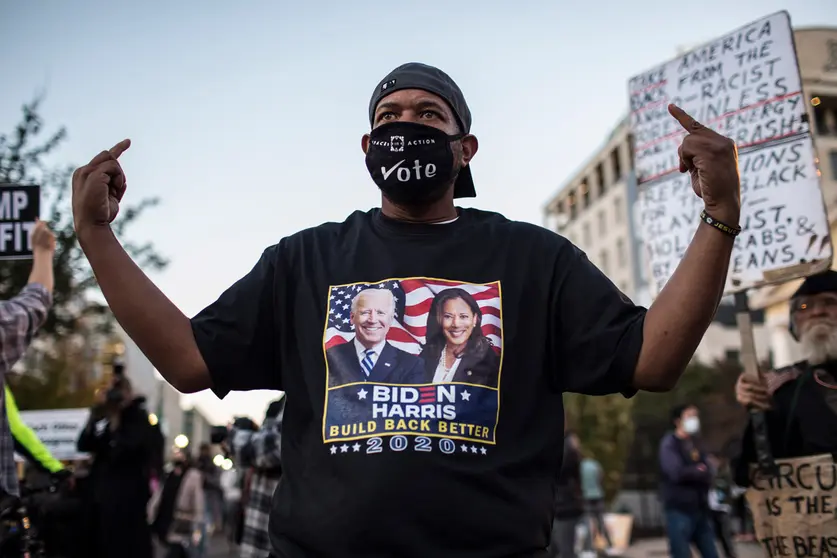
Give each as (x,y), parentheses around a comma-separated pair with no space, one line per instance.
(819,341)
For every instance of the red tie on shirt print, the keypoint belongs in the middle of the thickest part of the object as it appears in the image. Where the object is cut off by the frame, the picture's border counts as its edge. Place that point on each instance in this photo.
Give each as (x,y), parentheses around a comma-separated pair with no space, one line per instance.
(437,368)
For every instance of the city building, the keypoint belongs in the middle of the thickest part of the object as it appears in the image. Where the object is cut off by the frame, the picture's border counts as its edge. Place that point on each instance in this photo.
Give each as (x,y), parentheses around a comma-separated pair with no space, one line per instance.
(817,52)
(594,210)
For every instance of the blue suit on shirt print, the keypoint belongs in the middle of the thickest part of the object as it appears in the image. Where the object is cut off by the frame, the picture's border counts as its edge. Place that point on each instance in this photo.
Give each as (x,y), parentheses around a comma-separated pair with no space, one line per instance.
(393,366)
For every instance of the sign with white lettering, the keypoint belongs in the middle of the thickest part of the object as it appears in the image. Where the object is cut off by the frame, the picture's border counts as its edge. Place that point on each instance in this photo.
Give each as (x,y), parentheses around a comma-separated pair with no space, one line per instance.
(19,208)
(795,512)
(746,86)
(58,430)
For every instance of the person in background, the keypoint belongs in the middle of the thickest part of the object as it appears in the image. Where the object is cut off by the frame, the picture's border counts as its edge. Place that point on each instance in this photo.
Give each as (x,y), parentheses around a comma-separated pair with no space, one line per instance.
(262,452)
(211,488)
(592,477)
(720,496)
(686,478)
(232,482)
(569,506)
(800,400)
(20,318)
(177,510)
(118,437)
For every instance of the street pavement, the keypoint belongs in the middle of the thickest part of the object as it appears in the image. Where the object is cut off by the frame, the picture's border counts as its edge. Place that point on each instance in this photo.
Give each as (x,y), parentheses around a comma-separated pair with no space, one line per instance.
(650,548)
(658,548)
(219,547)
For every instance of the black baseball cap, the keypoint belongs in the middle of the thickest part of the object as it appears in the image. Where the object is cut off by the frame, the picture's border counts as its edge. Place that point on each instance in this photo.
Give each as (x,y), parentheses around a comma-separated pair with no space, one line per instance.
(415,75)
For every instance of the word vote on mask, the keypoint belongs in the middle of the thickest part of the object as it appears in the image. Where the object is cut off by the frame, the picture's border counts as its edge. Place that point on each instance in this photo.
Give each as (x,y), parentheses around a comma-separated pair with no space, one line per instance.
(412,164)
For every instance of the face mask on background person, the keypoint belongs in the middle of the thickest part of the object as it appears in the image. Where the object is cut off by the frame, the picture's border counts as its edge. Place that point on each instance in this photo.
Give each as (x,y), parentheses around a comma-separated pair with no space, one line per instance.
(691,425)
(412,164)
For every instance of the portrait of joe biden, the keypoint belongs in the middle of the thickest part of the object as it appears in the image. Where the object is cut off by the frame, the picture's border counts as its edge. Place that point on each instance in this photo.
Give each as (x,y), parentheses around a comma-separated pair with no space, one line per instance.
(369,357)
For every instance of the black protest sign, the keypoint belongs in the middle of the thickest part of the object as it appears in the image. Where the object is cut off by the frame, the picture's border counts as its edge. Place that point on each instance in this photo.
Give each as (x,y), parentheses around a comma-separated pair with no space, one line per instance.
(795,512)
(20,208)
(746,86)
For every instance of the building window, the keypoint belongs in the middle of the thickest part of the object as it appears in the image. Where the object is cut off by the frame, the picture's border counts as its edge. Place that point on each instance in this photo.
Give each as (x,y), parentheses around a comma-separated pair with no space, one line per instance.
(617,210)
(585,235)
(572,204)
(600,178)
(825,115)
(617,164)
(603,261)
(832,156)
(602,223)
(631,150)
(620,252)
(585,193)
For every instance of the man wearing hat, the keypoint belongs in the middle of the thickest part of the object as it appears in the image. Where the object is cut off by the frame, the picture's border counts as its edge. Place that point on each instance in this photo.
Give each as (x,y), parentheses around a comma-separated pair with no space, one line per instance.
(431,470)
(800,400)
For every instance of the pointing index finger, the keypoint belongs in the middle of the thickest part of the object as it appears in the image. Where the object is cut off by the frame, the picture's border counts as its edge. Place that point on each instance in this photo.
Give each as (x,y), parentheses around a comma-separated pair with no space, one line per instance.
(120,148)
(688,123)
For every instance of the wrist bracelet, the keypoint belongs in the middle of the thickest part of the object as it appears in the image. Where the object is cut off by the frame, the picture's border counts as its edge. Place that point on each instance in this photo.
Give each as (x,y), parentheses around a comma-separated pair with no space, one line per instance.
(723,227)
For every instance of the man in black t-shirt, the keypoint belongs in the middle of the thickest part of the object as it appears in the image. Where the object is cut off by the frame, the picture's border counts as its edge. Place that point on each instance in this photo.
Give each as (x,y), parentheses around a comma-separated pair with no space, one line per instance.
(439,468)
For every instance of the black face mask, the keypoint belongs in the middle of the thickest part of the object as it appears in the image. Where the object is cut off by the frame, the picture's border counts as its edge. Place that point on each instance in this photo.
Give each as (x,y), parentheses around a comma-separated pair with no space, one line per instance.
(411,163)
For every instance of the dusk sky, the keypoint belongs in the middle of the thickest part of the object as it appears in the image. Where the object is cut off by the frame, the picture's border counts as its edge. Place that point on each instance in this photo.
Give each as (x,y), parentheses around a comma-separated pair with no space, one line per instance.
(246,118)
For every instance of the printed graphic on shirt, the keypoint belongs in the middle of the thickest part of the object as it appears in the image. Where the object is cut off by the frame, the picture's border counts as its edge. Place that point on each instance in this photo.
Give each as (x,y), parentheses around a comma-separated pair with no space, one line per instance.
(413,357)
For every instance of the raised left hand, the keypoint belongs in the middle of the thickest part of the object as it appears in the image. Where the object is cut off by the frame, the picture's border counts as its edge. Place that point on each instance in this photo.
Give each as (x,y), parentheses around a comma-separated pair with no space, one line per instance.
(712,161)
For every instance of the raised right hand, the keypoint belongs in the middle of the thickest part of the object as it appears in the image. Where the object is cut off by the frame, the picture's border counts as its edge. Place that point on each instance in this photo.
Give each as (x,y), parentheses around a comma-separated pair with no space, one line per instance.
(752,392)
(98,188)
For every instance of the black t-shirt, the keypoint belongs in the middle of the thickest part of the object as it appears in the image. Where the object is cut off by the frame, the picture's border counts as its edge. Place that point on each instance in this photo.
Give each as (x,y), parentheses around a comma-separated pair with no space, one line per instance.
(383,453)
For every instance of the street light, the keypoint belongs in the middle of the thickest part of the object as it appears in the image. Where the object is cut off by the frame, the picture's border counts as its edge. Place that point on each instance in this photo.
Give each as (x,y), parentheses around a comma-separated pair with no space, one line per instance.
(218,460)
(181,441)
(153,420)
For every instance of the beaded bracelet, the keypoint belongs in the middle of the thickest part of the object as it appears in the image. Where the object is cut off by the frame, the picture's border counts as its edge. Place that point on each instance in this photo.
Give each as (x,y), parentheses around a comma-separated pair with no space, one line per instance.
(723,227)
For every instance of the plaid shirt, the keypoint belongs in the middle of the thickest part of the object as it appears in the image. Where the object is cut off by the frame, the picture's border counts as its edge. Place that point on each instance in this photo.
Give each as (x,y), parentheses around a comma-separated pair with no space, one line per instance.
(263,454)
(20,318)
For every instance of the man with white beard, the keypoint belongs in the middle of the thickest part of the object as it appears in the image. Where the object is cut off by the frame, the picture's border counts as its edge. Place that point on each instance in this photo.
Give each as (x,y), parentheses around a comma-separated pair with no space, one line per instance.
(800,401)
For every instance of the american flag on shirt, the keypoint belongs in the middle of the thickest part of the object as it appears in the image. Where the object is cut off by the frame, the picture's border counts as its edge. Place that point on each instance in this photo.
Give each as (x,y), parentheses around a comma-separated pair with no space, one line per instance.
(412,304)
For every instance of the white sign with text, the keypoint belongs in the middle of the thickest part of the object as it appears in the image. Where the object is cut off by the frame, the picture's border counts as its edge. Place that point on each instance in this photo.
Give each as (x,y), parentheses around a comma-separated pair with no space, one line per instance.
(58,430)
(746,86)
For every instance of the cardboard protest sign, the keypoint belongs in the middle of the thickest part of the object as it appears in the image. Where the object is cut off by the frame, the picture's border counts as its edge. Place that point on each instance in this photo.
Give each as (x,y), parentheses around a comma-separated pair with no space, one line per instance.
(795,512)
(746,86)
(20,206)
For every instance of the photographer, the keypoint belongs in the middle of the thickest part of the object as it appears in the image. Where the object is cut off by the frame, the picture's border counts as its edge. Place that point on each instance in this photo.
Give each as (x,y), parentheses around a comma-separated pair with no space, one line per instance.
(262,451)
(118,435)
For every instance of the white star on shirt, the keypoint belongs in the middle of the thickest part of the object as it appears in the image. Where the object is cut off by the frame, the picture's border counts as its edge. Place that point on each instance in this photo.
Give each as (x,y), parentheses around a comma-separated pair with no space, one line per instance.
(361,393)
(482,450)
(464,448)
(466,395)
(344,448)
(473,449)
(356,447)
(345,307)
(333,450)
(382,286)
